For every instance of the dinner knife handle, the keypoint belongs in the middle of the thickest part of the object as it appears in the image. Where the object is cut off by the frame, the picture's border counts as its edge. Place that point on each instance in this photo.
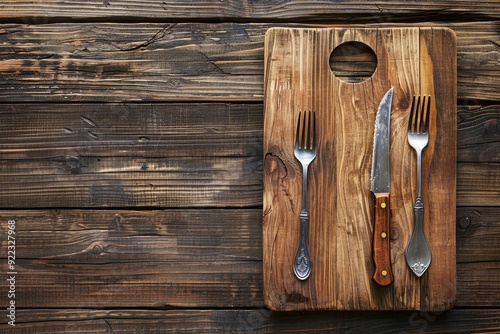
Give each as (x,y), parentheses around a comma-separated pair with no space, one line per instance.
(381,241)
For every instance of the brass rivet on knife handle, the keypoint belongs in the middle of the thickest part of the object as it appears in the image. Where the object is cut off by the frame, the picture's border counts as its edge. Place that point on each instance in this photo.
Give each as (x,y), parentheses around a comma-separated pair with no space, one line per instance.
(381,241)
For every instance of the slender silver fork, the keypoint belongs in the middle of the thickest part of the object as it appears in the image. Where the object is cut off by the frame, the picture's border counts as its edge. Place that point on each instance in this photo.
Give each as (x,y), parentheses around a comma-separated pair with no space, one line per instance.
(418,253)
(305,150)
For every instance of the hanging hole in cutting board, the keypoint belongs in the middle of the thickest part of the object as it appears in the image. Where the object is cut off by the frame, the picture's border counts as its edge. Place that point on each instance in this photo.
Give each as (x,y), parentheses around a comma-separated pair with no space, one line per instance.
(353,62)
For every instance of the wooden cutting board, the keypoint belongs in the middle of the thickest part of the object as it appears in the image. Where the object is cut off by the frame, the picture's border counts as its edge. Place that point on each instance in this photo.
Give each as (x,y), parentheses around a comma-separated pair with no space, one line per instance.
(298,76)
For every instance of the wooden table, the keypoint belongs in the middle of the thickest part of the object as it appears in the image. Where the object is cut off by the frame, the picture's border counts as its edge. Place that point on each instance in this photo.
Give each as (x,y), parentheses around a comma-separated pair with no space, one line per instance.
(131,165)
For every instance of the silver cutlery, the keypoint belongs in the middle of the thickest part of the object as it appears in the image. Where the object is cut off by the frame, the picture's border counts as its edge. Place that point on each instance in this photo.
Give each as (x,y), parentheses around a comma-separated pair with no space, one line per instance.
(380,187)
(305,150)
(418,253)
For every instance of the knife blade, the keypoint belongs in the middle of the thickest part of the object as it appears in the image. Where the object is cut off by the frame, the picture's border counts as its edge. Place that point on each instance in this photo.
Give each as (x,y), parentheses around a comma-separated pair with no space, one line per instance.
(380,187)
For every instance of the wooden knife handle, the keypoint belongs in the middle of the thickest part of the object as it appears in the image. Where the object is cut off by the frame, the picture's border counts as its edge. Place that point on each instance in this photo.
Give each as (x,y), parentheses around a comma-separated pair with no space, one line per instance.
(381,241)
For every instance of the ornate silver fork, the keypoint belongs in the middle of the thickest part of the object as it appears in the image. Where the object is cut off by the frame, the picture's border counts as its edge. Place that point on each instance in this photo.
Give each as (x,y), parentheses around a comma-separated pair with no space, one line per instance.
(418,253)
(305,150)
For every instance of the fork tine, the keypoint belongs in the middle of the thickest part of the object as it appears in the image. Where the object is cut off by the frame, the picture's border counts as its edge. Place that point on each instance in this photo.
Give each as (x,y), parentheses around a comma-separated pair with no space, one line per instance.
(297,132)
(422,114)
(419,114)
(310,132)
(313,129)
(425,126)
(411,120)
(416,125)
(303,130)
(303,141)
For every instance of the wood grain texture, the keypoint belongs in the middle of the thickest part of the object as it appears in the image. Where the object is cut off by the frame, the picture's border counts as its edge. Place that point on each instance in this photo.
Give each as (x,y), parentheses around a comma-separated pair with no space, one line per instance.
(112,62)
(123,50)
(478,133)
(297,78)
(213,130)
(115,236)
(172,258)
(138,62)
(131,155)
(157,284)
(385,11)
(460,321)
(469,275)
(478,184)
(185,258)
(478,231)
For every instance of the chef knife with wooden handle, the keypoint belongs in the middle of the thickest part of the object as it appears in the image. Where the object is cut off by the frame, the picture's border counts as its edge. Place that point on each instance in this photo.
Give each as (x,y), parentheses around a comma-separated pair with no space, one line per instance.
(380,187)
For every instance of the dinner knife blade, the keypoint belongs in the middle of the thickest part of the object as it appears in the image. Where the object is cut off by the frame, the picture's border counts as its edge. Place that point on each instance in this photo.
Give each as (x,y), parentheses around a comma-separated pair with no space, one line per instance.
(380,187)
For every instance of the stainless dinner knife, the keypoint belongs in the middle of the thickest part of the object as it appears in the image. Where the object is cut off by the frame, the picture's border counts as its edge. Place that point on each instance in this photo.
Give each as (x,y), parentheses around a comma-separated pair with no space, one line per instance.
(380,187)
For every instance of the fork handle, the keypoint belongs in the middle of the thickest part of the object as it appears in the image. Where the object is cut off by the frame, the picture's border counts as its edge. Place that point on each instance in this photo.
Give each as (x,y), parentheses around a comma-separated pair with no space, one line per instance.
(381,241)
(418,253)
(302,261)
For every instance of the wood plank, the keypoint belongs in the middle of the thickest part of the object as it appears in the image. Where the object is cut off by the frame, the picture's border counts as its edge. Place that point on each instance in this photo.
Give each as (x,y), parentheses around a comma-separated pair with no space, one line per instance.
(339,200)
(478,284)
(153,284)
(478,234)
(297,10)
(57,131)
(189,258)
(463,321)
(99,258)
(111,62)
(163,258)
(131,155)
(478,184)
(478,133)
(113,236)
(131,62)
(176,182)
(437,78)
